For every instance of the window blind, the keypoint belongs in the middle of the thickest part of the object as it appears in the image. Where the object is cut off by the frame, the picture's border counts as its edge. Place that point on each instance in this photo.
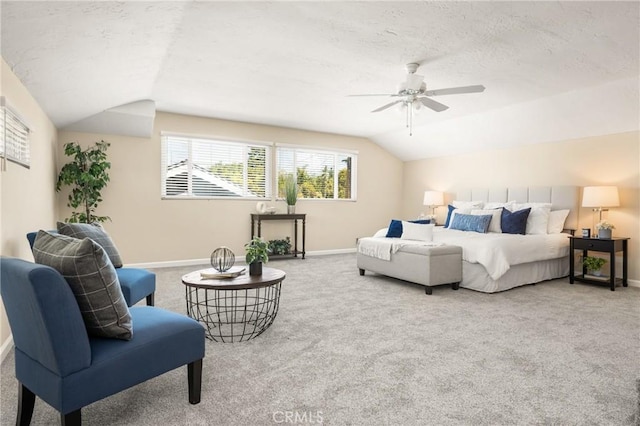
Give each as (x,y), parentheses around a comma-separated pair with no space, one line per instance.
(199,167)
(14,134)
(318,173)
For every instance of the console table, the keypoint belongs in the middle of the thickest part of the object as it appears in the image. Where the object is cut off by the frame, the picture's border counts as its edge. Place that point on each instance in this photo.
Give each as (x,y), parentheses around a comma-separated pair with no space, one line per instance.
(611,246)
(258,218)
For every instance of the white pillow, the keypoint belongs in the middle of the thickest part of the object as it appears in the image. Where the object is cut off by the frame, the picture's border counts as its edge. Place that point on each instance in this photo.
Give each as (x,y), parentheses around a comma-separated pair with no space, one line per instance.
(457,210)
(538,218)
(556,221)
(381,233)
(494,225)
(417,231)
(466,204)
(491,205)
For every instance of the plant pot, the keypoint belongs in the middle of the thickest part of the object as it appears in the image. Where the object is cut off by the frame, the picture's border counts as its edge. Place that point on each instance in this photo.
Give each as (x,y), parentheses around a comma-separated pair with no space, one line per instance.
(255,268)
(597,273)
(604,234)
(291,209)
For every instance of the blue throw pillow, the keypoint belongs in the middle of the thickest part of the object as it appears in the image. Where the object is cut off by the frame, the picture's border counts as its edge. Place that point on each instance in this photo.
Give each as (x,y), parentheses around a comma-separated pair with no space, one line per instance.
(451,209)
(514,222)
(395,229)
(469,222)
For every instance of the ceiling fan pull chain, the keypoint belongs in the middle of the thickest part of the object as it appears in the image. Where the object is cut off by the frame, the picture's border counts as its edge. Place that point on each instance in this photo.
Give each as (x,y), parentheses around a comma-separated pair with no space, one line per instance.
(410,119)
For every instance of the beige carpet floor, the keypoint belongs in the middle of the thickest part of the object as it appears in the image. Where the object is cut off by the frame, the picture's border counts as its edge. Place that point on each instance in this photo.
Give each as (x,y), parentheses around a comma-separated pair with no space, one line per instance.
(352,350)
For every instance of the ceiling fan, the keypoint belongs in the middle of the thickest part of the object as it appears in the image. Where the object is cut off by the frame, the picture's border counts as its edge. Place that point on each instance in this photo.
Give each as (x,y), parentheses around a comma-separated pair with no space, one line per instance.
(413,94)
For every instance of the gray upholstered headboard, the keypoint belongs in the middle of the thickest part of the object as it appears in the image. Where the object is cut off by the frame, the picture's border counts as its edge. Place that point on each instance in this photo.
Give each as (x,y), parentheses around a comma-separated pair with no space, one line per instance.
(560,197)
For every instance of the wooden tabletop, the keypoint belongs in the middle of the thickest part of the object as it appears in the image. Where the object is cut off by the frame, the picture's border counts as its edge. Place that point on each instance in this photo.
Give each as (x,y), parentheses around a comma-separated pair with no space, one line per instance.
(270,276)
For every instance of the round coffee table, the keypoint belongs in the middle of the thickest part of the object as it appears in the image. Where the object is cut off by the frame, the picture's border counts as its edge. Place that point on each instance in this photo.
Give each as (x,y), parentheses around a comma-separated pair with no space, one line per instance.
(234,309)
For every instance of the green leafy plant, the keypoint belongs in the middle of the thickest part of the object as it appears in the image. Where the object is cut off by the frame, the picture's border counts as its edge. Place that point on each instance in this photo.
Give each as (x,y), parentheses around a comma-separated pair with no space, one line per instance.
(280,246)
(257,251)
(290,190)
(87,174)
(593,263)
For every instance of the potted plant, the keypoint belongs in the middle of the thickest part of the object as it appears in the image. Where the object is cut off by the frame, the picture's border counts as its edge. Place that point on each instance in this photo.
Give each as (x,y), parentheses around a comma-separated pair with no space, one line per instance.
(257,254)
(280,247)
(290,194)
(604,229)
(593,264)
(87,174)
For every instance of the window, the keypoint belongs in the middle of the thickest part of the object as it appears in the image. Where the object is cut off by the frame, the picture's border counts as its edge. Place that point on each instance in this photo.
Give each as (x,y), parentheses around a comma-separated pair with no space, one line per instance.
(319,173)
(14,136)
(197,167)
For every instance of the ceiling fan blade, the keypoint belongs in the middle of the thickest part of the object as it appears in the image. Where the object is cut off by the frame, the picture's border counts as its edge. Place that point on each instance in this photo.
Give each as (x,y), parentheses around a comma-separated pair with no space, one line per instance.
(389,105)
(414,81)
(377,94)
(455,90)
(430,103)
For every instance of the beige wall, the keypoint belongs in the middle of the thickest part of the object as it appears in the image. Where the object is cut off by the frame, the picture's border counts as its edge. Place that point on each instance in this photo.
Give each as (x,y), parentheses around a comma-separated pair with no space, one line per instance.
(148,229)
(28,195)
(602,160)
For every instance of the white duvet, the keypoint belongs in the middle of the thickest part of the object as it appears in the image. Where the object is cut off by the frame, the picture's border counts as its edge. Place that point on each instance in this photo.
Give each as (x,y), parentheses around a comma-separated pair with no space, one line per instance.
(498,252)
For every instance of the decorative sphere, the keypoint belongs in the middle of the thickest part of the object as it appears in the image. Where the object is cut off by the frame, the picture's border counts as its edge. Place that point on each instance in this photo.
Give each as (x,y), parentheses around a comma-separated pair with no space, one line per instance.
(222,259)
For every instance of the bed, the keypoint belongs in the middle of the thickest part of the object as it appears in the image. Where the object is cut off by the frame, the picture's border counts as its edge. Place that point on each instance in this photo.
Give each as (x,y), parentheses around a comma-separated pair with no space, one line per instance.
(494,262)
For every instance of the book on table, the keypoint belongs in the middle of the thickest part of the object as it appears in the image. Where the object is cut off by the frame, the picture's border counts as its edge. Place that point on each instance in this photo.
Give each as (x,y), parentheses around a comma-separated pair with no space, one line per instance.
(233,272)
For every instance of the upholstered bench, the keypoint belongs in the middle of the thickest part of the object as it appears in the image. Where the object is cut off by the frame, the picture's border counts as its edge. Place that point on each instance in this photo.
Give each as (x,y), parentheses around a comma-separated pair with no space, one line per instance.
(136,283)
(421,264)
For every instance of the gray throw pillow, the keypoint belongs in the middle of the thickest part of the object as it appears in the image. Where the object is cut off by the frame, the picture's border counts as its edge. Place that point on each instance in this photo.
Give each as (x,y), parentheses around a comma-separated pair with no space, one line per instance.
(96,233)
(93,281)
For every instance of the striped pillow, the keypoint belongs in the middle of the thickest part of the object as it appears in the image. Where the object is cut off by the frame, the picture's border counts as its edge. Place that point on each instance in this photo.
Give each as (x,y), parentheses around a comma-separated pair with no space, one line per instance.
(97,233)
(93,280)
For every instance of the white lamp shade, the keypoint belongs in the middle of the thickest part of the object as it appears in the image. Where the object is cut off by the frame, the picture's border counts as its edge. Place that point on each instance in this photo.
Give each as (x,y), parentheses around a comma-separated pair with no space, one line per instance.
(600,196)
(433,198)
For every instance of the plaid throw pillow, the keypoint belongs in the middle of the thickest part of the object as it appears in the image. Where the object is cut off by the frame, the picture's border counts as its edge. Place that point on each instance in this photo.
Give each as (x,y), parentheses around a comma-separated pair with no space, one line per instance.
(93,280)
(97,233)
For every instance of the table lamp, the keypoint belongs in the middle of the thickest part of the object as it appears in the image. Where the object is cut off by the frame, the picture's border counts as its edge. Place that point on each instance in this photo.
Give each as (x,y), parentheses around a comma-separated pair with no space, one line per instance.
(600,197)
(433,199)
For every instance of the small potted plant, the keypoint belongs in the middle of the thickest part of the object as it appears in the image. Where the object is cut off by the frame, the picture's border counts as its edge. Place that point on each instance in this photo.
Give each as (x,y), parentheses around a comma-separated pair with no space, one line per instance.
(604,229)
(290,194)
(257,254)
(280,247)
(593,264)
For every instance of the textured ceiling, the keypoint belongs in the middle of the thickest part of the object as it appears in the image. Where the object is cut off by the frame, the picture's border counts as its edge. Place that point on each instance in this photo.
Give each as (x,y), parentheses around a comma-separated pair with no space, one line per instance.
(552,70)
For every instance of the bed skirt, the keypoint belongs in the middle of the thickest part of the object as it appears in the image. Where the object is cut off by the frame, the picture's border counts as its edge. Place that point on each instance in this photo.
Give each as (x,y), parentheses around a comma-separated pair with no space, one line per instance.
(475,276)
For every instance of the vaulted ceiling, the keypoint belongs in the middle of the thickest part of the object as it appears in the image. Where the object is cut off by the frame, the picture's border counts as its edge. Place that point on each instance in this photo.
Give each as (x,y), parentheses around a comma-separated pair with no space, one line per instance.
(552,70)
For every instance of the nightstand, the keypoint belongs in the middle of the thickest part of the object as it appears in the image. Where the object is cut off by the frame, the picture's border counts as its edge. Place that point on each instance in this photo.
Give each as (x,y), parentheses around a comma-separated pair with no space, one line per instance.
(611,246)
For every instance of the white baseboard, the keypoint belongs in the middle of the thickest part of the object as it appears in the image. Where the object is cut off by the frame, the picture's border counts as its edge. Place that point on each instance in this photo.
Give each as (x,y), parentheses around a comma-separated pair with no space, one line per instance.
(6,347)
(326,252)
(205,261)
(633,283)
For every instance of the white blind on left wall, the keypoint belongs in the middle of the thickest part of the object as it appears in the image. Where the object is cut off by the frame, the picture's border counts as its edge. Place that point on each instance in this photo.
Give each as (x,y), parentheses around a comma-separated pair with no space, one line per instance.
(14,136)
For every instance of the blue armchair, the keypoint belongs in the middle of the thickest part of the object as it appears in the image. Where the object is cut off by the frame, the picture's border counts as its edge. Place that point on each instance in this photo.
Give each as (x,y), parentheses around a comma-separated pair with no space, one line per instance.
(136,283)
(59,362)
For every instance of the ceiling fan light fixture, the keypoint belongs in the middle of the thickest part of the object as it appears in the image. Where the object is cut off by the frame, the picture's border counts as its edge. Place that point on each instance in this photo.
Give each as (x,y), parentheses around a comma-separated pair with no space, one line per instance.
(412,95)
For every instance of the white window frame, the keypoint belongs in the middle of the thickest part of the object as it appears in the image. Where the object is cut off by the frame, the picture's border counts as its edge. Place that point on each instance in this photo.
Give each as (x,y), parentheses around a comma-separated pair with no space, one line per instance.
(335,152)
(14,137)
(164,136)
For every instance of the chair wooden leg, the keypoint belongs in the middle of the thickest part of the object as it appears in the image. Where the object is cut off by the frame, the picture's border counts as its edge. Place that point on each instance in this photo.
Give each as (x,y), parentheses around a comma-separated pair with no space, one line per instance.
(194,374)
(26,402)
(71,419)
(150,300)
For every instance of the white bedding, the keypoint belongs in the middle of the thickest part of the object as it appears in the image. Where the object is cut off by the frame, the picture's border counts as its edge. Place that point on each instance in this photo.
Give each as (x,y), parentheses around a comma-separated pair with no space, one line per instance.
(498,252)
(382,248)
(495,251)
